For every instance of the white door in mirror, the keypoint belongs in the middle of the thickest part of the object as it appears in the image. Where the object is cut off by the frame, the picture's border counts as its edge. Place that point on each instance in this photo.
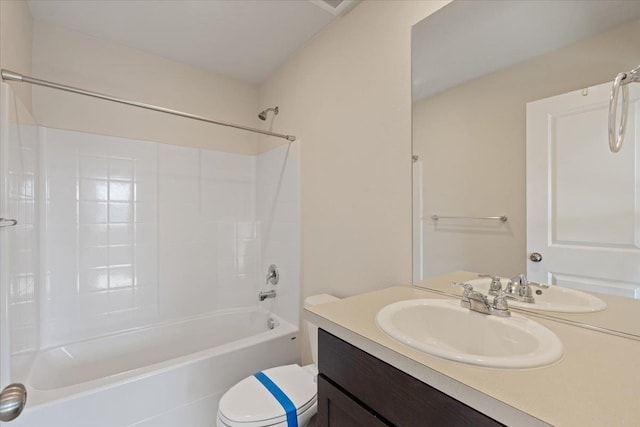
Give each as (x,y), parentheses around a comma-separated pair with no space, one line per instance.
(554,298)
(582,200)
(442,328)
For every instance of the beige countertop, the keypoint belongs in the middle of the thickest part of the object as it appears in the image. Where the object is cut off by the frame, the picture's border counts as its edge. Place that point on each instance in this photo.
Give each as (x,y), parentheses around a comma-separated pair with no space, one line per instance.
(596,383)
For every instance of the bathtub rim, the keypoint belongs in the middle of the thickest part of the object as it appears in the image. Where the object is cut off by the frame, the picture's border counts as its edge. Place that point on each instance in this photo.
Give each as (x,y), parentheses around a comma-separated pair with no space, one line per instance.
(158,324)
(41,398)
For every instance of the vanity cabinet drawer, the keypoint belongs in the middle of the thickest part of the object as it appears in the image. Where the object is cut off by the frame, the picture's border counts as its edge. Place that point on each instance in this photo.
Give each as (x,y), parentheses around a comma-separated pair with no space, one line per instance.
(392,395)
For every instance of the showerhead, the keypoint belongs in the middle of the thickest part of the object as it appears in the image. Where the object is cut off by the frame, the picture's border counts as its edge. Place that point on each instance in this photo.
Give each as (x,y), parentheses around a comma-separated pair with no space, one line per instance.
(263,114)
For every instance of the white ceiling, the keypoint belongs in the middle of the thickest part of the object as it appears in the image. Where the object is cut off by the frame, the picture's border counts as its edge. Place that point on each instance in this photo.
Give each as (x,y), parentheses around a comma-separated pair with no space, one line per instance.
(468,39)
(242,39)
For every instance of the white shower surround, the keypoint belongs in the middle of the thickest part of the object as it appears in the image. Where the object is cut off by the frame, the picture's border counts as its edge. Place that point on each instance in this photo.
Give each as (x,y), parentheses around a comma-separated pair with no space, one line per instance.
(19,252)
(138,232)
(135,234)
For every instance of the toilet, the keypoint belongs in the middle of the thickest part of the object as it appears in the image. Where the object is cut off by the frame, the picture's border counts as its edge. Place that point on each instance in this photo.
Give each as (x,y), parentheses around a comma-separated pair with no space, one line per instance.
(260,399)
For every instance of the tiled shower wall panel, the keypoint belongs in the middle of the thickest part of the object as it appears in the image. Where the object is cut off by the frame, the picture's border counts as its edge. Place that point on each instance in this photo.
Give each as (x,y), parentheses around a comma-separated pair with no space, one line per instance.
(101,215)
(139,232)
(278,196)
(23,238)
(208,236)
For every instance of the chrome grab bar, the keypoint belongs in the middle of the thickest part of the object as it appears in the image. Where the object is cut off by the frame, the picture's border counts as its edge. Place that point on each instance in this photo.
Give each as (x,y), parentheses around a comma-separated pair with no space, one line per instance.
(620,82)
(502,218)
(6,222)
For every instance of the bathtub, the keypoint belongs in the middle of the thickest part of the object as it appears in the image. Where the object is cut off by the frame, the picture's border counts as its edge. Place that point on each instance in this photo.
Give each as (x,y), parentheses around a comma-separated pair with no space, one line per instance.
(171,374)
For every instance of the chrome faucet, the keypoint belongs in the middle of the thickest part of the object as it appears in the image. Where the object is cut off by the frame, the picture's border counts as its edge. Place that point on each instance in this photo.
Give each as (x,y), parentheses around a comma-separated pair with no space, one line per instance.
(266,294)
(273,277)
(519,288)
(476,301)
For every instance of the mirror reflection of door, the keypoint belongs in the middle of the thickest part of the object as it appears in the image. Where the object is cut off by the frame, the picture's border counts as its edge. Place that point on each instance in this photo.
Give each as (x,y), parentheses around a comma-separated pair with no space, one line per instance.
(469,121)
(583,203)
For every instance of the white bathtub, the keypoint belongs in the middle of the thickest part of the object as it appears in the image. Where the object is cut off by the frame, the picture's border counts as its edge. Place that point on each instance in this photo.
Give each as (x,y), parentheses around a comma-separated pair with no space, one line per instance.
(167,375)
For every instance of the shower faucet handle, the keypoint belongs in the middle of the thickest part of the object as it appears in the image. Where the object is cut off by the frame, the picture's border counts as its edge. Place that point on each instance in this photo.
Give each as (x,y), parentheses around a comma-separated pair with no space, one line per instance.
(273,275)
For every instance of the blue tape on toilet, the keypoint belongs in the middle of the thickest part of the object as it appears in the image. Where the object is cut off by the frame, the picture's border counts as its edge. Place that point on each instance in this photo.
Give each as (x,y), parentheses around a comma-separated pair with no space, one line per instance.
(281,397)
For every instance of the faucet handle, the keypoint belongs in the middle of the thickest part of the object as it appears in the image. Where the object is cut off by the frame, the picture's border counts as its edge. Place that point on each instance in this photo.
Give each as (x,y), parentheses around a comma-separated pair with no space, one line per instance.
(273,275)
(500,301)
(468,288)
(495,286)
(500,306)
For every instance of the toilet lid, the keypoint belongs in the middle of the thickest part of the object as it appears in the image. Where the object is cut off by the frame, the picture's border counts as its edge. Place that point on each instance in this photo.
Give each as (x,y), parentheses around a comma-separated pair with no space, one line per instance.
(250,403)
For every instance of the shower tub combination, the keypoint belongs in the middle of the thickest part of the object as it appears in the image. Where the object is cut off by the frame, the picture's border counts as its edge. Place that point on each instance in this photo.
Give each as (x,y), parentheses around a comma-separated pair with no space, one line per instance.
(171,374)
(80,370)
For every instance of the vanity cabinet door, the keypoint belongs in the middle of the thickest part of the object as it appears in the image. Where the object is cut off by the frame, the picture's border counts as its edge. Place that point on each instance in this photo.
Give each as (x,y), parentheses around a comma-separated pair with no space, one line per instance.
(336,409)
(381,389)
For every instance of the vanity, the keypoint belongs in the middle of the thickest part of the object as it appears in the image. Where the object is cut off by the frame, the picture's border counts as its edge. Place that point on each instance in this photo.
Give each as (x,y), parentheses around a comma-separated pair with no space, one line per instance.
(368,378)
(358,389)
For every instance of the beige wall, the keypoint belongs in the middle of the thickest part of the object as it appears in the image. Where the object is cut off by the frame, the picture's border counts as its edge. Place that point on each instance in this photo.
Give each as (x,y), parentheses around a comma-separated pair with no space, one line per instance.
(471,141)
(15,43)
(347,96)
(76,59)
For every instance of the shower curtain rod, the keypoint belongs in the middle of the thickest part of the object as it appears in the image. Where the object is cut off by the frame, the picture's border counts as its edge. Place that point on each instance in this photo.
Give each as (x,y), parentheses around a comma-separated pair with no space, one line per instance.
(13,76)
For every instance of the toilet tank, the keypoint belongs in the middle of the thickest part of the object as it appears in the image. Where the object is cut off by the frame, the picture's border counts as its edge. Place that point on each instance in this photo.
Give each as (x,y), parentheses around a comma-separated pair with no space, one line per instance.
(313,329)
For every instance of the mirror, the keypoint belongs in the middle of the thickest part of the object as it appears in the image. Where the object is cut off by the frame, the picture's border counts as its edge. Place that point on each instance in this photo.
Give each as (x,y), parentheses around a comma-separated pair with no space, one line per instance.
(512,171)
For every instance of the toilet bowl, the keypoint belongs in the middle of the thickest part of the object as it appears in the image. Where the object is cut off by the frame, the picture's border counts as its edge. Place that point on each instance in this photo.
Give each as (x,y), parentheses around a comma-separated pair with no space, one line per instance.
(260,399)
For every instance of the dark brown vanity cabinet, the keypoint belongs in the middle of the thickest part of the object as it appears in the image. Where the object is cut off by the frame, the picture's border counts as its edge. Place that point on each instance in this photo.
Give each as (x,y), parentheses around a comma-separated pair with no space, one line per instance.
(356,389)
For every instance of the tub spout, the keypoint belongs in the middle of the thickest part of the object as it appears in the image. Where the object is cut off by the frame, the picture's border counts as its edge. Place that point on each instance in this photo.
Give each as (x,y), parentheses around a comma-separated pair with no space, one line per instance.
(268,294)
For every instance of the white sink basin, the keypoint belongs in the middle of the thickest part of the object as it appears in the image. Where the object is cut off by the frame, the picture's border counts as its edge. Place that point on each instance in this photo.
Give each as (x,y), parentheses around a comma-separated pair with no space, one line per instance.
(443,328)
(553,298)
